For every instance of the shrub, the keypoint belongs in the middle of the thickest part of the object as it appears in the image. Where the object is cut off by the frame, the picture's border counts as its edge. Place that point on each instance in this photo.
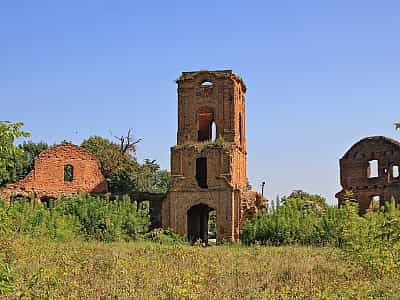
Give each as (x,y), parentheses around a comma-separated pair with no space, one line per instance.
(105,220)
(373,240)
(164,236)
(79,216)
(35,220)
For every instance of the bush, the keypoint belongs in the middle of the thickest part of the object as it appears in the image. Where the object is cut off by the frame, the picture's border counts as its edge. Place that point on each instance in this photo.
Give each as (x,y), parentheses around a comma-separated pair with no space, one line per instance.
(164,236)
(79,216)
(105,220)
(372,240)
(35,220)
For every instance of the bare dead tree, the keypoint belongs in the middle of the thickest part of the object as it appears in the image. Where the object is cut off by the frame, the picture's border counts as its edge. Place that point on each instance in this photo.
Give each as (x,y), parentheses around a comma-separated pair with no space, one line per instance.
(128,142)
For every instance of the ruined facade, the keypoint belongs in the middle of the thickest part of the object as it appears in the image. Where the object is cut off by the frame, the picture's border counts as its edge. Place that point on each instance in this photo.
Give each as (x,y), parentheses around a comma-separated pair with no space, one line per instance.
(370,170)
(208,164)
(65,169)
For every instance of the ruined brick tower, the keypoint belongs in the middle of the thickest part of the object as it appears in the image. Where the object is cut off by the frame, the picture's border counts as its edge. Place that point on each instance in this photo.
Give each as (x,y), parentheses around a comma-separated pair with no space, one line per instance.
(208,164)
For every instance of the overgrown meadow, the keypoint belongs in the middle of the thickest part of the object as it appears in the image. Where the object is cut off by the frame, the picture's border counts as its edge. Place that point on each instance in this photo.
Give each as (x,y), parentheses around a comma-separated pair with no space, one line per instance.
(87,247)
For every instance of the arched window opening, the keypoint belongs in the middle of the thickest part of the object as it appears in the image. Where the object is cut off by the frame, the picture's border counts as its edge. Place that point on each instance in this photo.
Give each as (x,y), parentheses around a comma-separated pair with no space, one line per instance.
(68,173)
(205,117)
(213,131)
(207,84)
(373,169)
(395,171)
(201,172)
(240,129)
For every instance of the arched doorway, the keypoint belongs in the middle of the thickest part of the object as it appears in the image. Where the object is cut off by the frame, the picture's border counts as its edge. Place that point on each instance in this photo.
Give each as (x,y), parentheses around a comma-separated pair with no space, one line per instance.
(198,223)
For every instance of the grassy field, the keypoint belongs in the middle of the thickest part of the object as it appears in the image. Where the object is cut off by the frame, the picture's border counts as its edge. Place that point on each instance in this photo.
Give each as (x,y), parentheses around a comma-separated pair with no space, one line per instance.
(43,269)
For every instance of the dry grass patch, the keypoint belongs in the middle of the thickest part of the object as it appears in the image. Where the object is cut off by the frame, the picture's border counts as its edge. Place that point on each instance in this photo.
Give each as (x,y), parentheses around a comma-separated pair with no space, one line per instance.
(144,270)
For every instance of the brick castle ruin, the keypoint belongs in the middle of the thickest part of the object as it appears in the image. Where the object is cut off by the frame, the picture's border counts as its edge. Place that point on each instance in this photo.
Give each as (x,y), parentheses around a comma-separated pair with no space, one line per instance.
(208,165)
(65,169)
(370,170)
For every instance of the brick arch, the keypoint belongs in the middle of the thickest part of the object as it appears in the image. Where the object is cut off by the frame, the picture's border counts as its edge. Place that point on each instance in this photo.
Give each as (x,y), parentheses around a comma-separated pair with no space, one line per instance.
(201,200)
(205,117)
(371,143)
(205,76)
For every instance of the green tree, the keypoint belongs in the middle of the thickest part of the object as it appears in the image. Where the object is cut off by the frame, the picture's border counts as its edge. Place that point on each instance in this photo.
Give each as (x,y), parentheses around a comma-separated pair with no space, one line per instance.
(397,125)
(122,171)
(9,153)
(30,151)
(117,166)
(150,178)
(112,160)
(306,198)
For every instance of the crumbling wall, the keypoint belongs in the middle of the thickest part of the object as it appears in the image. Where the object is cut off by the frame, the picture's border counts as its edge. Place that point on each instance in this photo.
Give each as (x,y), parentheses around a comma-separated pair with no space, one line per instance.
(251,203)
(47,178)
(371,187)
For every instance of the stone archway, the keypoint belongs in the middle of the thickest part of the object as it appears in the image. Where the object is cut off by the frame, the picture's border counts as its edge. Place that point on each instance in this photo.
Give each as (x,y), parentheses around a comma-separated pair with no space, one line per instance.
(197,223)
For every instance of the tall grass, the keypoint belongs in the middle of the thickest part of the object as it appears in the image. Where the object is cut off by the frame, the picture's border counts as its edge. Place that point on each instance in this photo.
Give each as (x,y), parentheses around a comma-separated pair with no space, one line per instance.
(372,240)
(82,216)
(87,247)
(44,269)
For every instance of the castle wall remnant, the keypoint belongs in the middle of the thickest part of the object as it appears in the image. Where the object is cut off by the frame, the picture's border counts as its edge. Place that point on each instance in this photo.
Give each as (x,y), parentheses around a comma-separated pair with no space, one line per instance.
(208,164)
(65,169)
(370,170)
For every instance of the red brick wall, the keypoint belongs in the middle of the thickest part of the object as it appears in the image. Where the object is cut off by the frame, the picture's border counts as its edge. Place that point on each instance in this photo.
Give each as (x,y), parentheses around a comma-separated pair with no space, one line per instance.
(47,177)
(354,171)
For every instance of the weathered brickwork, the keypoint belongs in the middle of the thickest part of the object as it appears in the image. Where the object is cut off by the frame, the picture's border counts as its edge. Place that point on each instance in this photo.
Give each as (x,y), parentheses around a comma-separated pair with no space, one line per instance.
(370,170)
(208,164)
(47,179)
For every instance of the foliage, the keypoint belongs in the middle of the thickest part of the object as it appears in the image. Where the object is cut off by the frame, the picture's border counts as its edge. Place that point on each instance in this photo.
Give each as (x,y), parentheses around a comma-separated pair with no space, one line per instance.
(9,153)
(105,220)
(212,224)
(220,140)
(6,276)
(306,198)
(164,236)
(373,240)
(112,160)
(148,177)
(295,223)
(397,125)
(24,160)
(123,173)
(81,216)
(35,220)
(30,151)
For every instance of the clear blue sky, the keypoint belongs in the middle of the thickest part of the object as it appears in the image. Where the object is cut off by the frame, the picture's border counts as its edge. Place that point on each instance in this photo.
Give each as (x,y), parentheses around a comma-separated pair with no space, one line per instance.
(320,75)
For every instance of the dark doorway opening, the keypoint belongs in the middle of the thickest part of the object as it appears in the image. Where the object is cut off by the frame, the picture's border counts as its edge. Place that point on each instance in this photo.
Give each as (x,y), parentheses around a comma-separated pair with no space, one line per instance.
(48,202)
(198,221)
(201,172)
